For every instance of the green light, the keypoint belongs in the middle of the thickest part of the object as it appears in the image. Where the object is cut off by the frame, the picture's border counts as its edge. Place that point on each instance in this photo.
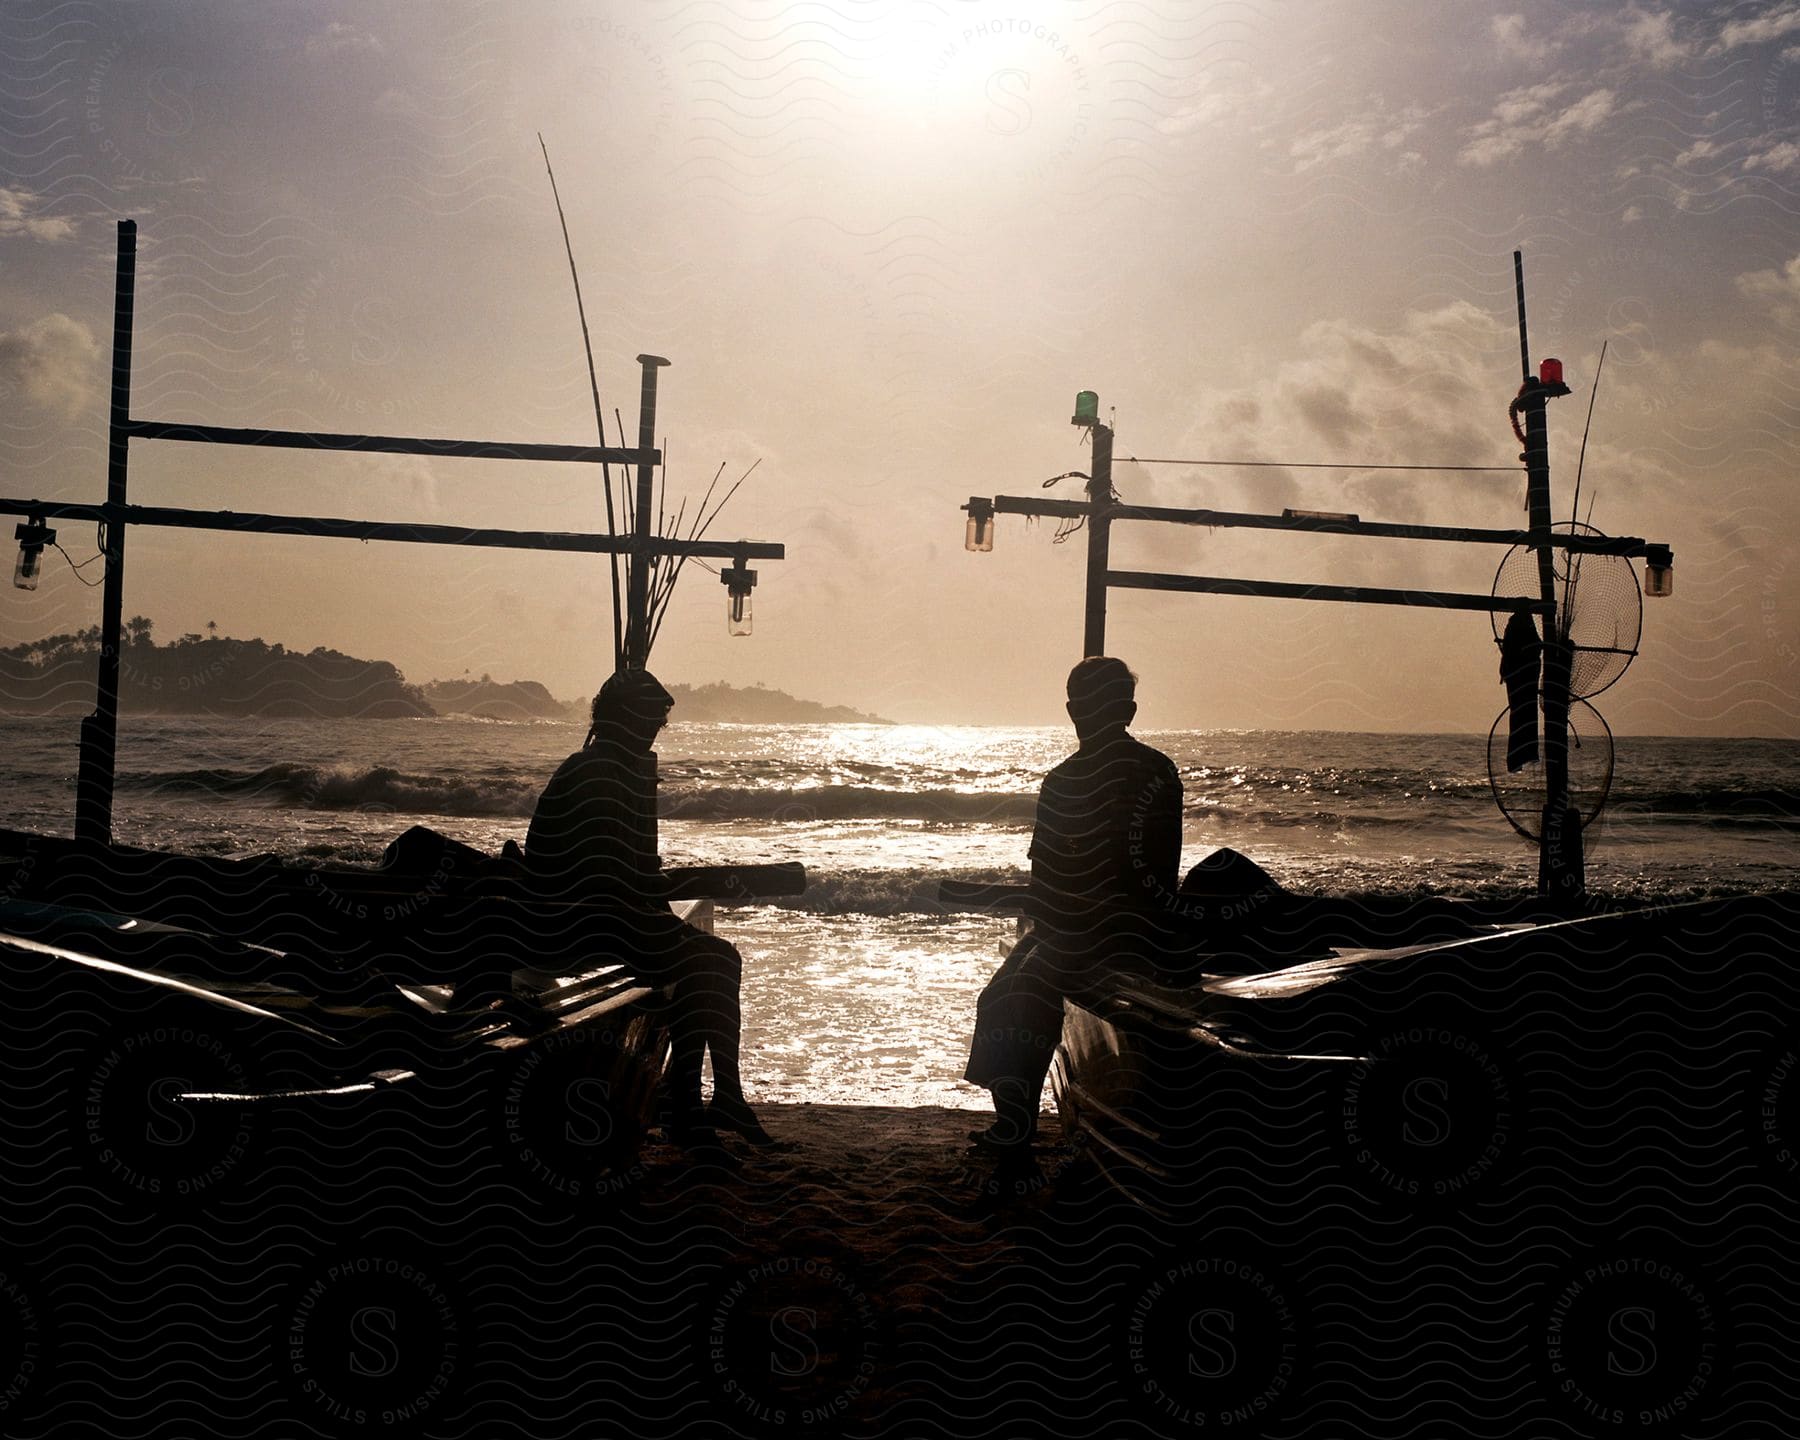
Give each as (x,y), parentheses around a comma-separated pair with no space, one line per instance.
(1087,409)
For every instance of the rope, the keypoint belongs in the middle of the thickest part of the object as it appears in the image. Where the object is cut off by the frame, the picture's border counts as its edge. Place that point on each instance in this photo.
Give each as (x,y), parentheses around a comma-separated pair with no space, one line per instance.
(78,568)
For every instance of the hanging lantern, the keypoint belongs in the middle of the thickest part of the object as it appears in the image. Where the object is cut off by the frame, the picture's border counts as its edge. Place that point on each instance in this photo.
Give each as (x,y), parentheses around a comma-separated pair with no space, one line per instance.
(738,582)
(32,536)
(978,535)
(1659,572)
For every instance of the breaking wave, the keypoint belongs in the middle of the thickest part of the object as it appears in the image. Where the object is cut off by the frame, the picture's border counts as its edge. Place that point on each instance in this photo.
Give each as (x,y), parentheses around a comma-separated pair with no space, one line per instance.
(380,788)
(1711,803)
(508,792)
(849,802)
(383,788)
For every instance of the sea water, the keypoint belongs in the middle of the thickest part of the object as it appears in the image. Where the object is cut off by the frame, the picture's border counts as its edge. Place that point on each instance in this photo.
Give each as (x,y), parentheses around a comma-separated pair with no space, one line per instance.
(863,989)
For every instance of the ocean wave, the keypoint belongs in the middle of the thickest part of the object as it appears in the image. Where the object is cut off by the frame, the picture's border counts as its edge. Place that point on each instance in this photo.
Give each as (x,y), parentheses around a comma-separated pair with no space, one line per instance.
(1761,804)
(1310,819)
(897,892)
(507,792)
(387,789)
(848,802)
(380,787)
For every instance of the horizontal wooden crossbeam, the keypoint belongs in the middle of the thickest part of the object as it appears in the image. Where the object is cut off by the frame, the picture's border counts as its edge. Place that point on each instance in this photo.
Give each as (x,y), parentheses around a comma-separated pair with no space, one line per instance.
(1349,594)
(388,444)
(246,522)
(1232,519)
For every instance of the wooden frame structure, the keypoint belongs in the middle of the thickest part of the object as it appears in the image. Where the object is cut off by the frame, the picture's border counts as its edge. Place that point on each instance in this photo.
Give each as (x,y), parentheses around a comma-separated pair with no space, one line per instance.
(99,731)
(1560,862)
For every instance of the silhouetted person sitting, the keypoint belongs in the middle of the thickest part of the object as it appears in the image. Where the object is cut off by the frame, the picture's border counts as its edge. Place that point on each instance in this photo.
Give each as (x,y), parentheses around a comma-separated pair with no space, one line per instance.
(592,840)
(1104,860)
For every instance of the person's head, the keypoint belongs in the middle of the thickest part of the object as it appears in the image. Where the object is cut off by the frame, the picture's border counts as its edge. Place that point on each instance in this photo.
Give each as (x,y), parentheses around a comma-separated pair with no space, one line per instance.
(630,708)
(1102,695)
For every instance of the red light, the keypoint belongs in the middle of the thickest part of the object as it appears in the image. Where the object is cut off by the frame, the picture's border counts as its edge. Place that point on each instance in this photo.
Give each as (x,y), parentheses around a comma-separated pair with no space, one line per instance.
(1550,372)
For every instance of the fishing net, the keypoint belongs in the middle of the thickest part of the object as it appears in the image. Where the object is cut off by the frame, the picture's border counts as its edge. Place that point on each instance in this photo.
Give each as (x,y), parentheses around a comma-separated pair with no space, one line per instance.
(1599,607)
(1520,794)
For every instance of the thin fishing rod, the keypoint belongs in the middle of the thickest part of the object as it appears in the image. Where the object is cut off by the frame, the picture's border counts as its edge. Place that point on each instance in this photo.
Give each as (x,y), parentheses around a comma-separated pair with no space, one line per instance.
(627,500)
(662,494)
(1575,507)
(594,388)
(627,513)
(1572,563)
(666,583)
(700,534)
(681,511)
(702,523)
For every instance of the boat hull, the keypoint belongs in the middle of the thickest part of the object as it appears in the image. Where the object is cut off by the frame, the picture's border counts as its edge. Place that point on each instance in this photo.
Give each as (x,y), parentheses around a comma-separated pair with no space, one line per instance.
(1584,1067)
(163,1068)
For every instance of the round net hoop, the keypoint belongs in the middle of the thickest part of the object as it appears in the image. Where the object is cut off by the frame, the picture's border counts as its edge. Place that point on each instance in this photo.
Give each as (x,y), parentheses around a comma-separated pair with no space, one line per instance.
(1600,606)
(1520,793)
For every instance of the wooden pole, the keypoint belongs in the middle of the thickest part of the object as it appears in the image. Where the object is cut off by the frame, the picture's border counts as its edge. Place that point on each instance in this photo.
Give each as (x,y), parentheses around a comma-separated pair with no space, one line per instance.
(1519,290)
(1561,870)
(100,731)
(1099,528)
(637,581)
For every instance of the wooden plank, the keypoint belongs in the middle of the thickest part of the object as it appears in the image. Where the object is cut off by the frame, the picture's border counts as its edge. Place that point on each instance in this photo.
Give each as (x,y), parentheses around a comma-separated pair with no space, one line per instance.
(1379,529)
(390,444)
(403,532)
(1344,594)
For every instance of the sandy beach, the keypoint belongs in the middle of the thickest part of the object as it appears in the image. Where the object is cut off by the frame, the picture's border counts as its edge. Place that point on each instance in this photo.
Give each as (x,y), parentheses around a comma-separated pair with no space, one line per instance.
(879,1183)
(875,1273)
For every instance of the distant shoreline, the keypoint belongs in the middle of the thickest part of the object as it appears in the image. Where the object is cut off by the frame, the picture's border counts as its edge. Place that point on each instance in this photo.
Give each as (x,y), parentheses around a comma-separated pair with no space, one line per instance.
(223,677)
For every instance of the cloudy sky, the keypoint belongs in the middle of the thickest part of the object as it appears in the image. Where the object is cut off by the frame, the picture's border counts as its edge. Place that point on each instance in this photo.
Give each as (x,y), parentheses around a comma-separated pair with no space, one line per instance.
(884,243)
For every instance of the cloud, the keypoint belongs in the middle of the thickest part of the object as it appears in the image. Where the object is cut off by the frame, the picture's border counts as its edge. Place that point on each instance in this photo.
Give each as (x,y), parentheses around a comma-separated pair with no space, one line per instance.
(1779,158)
(1527,116)
(1227,96)
(1516,42)
(52,360)
(1783,20)
(1371,133)
(16,219)
(1430,388)
(1201,114)
(1777,288)
(1583,117)
(1421,392)
(340,38)
(1520,105)
(1699,150)
(1650,37)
